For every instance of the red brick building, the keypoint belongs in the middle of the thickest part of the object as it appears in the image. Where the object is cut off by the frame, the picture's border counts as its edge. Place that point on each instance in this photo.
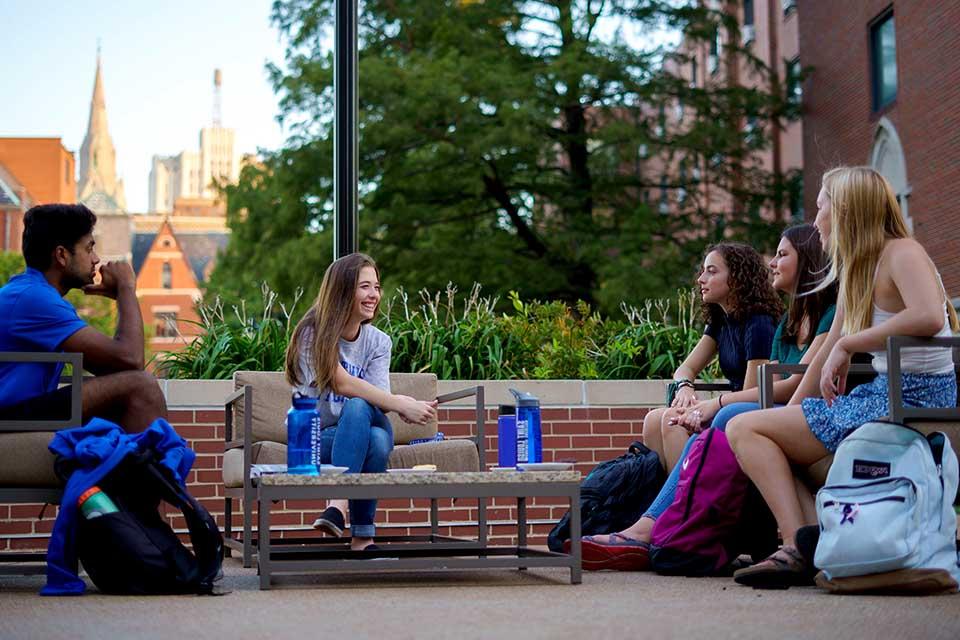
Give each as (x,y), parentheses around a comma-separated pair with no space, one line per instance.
(884,90)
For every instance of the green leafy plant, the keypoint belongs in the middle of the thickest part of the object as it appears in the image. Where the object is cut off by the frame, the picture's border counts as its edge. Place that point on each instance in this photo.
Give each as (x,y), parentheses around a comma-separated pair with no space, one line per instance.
(237,342)
(465,338)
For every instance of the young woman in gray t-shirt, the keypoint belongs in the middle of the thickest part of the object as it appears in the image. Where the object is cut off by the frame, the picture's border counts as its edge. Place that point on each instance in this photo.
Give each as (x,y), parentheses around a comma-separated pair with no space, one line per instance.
(338,357)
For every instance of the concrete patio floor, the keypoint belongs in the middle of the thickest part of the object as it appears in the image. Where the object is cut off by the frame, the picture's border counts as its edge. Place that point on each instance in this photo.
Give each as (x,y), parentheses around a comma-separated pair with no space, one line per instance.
(488,604)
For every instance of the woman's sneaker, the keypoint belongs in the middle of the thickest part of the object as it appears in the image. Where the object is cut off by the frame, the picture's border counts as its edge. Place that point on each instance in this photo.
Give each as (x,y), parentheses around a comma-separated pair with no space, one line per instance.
(330,521)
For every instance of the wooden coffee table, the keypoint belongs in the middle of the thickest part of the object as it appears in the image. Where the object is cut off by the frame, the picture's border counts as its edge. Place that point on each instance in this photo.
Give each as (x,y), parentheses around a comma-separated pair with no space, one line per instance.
(290,556)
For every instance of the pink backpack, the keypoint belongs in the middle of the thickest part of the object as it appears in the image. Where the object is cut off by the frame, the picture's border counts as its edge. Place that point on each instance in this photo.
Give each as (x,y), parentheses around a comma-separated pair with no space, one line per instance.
(716,514)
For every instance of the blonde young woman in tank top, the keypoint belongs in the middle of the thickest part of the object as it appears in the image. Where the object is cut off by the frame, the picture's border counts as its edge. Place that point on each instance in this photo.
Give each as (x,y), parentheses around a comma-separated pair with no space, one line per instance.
(888,286)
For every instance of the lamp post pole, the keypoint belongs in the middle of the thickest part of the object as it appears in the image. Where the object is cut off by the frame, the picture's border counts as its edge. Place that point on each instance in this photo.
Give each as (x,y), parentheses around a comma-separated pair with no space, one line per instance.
(345,221)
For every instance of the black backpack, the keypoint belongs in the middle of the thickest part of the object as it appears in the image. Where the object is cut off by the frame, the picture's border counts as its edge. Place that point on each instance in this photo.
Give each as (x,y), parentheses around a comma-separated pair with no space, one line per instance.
(134,551)
(614,495)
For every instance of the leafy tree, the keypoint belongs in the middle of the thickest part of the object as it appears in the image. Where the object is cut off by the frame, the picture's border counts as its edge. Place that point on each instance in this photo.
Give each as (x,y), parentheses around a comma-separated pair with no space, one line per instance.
(517,143)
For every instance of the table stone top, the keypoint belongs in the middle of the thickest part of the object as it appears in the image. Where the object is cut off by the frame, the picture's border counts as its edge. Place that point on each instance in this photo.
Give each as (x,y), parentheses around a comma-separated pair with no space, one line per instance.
(438,478)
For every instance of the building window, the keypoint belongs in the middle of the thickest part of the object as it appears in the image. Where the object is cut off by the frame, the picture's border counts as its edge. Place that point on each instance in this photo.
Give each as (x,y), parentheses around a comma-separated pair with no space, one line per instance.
(883,61)
(795,196)
(747,31)
(166,276)
(661,121)
(713,60)
(794,86)
(165,324)
(682,192)
(693,73)
(664,207)
(789,6)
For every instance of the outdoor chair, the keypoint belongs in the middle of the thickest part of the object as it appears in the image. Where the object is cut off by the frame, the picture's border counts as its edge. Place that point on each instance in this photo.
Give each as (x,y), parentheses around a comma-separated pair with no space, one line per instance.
(26,465)
(258,408)
(924,420)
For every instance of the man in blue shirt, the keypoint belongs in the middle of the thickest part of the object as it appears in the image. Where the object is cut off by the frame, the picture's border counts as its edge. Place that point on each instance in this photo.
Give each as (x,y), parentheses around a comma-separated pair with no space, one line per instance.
(58,248)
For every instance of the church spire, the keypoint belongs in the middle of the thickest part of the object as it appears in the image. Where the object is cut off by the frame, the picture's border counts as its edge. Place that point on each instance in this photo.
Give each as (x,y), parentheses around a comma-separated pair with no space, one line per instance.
(98,171)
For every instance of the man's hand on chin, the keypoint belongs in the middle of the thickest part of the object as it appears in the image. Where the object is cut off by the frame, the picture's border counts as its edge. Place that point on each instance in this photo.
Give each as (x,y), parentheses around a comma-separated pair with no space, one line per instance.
(114,276)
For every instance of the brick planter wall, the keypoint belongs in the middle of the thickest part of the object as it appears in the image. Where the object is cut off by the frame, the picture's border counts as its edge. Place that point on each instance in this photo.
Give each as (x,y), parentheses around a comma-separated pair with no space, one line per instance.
(579,433)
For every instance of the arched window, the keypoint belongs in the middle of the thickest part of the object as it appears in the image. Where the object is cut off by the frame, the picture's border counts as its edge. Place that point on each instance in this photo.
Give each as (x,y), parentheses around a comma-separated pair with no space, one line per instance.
(166,276)
(887,158)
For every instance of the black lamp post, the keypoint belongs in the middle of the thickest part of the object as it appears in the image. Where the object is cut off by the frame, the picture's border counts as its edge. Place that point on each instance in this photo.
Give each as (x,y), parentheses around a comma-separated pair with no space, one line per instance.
(345,46)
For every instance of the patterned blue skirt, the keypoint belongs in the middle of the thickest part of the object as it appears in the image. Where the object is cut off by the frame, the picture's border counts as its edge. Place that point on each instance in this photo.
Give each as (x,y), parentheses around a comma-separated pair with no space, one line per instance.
(871,401)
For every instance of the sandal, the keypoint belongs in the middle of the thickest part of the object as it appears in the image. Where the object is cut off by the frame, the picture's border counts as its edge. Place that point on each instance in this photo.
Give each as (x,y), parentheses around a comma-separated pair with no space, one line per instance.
(784,569)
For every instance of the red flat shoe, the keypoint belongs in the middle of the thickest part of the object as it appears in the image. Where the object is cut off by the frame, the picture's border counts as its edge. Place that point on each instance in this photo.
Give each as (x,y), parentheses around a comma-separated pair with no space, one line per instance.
(622,554)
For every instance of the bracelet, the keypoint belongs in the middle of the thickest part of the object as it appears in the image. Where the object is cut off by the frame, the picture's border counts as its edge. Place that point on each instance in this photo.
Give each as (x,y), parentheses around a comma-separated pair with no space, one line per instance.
(720,400)
(685,383)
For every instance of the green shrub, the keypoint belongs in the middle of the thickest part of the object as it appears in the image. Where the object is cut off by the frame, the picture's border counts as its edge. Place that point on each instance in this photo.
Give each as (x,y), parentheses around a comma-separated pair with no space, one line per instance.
(465,338)
(230,343)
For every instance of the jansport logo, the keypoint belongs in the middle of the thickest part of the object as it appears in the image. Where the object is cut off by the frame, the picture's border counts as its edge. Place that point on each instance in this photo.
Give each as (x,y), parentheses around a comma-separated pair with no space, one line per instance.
(870,469)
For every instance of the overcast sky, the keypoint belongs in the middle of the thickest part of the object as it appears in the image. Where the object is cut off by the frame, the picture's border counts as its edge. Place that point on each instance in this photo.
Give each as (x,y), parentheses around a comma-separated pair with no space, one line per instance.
(158,62)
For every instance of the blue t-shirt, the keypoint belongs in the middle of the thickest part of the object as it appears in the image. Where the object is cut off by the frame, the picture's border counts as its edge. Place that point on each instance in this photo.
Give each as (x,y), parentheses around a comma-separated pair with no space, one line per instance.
(741,341)
(33,317)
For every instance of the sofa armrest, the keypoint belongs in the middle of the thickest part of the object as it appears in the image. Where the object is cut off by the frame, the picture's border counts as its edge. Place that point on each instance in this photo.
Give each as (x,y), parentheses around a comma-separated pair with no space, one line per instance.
(244,394)
(480,416)
(76,395)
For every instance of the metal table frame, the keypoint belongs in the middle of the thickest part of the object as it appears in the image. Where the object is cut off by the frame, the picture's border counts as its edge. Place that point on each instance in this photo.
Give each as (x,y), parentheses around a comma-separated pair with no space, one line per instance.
(416,552)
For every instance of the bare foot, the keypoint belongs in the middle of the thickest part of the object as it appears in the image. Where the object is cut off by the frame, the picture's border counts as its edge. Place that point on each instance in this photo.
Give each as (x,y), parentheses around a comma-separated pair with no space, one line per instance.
(639,531)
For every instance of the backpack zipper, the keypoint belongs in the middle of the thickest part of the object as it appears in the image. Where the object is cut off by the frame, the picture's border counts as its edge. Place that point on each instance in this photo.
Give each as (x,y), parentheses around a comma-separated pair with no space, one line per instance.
(831,503)
(696,476)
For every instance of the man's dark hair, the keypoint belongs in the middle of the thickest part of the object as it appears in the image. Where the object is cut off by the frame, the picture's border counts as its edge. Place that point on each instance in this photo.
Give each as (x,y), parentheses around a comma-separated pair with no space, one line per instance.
(49,226)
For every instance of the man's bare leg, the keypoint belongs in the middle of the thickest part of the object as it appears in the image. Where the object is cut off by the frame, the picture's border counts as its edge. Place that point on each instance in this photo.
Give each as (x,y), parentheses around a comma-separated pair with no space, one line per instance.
(132,399)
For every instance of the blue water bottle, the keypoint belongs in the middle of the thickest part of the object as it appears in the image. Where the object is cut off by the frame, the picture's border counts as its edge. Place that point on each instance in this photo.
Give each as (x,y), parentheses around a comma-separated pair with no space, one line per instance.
(302,420)
(507,436)
(529,438)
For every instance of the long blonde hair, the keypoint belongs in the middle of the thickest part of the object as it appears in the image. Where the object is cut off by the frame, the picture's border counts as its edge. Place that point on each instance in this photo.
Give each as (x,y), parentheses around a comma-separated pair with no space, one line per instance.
(327,319)
(864,214)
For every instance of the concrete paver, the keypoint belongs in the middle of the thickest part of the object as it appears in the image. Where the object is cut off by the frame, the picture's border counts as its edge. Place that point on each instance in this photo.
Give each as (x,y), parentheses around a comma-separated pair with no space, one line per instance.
(487,604)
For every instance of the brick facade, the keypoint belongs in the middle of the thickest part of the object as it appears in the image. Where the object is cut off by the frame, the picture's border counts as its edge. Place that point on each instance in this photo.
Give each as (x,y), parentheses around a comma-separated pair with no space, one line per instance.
(586,435)
(840,125)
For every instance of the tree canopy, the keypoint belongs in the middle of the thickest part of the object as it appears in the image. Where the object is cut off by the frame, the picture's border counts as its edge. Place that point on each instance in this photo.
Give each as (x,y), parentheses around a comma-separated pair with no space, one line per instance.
(529,145)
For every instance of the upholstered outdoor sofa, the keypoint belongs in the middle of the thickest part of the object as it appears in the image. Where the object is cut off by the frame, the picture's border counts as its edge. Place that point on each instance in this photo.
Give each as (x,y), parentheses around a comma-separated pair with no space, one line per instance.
(26,465)
(256,433)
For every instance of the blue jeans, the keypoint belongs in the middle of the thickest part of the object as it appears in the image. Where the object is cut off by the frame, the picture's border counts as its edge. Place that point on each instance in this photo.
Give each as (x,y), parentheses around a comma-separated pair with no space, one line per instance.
(361,441)
(665,498)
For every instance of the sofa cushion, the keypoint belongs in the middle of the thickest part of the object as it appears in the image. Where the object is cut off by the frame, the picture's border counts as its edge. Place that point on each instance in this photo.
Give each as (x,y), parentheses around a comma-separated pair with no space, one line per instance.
(271,400)
(422,386)
(448,455)
(25,460)
(265,452)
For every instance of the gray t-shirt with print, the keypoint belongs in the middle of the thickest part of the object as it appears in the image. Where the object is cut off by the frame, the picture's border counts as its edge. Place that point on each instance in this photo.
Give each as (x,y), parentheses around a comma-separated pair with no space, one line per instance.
(367,358)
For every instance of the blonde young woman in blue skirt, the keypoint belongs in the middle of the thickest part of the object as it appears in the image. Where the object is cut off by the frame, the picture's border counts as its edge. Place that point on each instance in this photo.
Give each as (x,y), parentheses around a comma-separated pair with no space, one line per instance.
(888,287)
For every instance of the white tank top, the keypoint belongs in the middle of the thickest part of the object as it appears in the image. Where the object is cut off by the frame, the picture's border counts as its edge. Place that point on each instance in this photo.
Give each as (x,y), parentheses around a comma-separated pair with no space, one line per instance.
(928,360)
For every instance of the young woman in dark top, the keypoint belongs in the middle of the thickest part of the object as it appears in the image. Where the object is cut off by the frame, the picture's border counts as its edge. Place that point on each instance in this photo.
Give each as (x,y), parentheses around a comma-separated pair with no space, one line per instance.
(740,308)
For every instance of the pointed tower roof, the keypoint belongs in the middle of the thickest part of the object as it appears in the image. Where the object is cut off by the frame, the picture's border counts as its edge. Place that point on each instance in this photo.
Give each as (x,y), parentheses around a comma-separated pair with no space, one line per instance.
(98,159)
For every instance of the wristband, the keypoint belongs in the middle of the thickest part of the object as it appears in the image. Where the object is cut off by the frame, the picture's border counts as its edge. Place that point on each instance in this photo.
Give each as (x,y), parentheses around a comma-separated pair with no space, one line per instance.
(720,400)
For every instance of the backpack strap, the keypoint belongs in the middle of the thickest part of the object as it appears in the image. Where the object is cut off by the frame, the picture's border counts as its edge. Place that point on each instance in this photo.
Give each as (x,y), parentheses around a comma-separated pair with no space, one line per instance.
(205,536)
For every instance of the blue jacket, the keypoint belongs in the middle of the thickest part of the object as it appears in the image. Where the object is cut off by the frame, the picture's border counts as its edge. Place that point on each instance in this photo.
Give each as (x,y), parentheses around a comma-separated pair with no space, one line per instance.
(97,448)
